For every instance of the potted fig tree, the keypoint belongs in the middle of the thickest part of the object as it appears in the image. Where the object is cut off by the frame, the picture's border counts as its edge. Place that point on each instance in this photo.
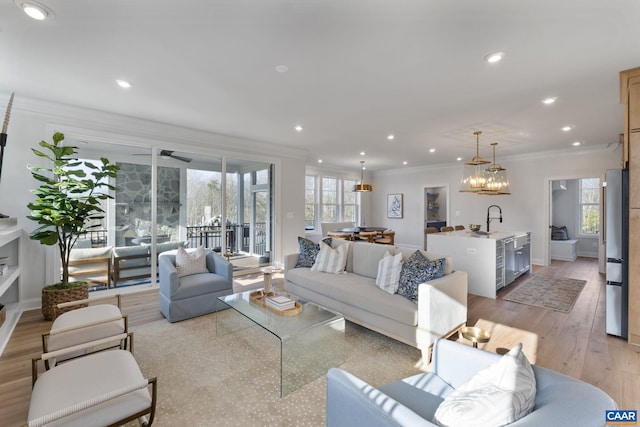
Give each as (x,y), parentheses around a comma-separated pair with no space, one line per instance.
(66,202)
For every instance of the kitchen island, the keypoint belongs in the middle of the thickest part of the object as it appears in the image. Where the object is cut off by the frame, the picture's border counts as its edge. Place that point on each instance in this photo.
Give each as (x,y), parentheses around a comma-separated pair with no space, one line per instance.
(492,260)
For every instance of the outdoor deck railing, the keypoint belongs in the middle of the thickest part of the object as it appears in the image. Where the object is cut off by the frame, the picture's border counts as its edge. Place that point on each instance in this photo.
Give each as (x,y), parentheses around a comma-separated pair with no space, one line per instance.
(238,237)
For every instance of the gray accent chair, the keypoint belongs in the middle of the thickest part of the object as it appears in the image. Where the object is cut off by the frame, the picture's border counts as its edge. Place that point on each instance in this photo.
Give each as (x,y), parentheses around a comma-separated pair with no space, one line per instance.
(185,297)
(560,400)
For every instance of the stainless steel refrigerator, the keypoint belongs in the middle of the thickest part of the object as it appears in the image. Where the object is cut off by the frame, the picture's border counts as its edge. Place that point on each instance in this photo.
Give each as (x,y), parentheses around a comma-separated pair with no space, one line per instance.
(617,251)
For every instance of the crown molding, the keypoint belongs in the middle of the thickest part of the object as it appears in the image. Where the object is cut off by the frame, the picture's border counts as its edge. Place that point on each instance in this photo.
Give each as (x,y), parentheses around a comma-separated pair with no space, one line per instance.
(92,120)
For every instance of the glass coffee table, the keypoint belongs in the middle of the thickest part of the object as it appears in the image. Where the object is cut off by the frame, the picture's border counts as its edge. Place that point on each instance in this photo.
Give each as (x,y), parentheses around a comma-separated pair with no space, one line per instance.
(311,341)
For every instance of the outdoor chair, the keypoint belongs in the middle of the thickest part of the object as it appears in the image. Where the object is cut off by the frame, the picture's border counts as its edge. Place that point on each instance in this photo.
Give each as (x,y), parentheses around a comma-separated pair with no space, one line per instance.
(91,265)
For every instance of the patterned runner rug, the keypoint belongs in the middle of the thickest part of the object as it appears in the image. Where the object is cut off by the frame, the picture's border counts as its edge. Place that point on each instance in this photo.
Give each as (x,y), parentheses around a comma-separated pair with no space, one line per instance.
(554,293)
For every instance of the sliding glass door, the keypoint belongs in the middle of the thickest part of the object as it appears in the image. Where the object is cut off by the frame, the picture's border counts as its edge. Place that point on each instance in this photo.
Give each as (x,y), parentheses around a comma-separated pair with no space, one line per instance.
(181,198)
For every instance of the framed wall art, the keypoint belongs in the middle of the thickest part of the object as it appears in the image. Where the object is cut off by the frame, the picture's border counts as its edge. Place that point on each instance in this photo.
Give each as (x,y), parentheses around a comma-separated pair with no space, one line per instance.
(394,205)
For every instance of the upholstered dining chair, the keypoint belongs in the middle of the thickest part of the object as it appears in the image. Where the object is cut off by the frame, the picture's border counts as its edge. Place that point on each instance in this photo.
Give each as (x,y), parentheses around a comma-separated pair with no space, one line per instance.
(369,236)
(446,228)
(340,235)
(459,227)
(388,237)
(430,230)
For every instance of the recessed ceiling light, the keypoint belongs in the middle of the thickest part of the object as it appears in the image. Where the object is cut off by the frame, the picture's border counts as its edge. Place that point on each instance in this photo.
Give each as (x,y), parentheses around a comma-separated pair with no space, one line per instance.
(576,143)
(390,137)
(319,160)
(494,57)
(549,100)
(567,128)
(123,84)
(432,150)
(405,162)
(299,128)
(459,159)
(282,68)
(362,153)
(35,10)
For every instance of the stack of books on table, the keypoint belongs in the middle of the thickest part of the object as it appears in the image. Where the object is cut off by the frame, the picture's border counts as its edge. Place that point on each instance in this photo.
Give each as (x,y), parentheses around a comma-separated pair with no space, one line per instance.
(280,302)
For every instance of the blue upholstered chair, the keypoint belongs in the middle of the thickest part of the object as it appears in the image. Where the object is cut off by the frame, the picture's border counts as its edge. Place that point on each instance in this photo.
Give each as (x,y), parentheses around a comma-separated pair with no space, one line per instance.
(560,400)
(194,295)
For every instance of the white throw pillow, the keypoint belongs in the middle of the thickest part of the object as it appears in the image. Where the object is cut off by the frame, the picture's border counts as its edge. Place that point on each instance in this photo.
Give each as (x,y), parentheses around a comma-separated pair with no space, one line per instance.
(331,260)
(389,268)
(188,263)
(496,396)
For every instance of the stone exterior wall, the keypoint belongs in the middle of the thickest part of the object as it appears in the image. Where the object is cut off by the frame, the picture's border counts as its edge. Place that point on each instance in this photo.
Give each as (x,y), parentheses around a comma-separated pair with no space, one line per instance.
(133,203)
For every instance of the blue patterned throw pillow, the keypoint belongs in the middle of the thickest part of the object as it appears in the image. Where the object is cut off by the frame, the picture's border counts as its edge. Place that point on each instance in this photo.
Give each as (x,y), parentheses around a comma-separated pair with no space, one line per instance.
(309,251)
(418,269)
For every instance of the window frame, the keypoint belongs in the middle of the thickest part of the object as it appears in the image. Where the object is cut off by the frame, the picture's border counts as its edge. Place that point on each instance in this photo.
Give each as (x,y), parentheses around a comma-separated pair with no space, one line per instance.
(314,203)
(582,205)
(339,205)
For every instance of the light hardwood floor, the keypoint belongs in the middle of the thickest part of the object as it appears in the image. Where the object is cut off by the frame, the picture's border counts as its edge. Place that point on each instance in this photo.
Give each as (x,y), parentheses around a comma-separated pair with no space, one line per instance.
(573,343)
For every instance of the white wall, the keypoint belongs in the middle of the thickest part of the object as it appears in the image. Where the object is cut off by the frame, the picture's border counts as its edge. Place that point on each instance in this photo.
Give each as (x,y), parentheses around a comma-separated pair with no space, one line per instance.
(33,120)
(526,209)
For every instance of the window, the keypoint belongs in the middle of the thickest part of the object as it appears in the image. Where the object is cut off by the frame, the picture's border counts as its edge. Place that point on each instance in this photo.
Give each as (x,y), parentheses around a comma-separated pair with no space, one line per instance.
(349,201)
(589,203)
(329,199)
(310,203)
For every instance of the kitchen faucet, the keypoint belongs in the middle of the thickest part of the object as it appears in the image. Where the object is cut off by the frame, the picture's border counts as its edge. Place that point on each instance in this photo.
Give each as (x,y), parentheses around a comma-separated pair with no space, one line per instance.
(489,218)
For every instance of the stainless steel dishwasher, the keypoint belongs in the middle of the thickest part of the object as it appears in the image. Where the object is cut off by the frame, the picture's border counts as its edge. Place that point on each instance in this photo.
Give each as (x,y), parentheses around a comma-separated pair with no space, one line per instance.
(517,254)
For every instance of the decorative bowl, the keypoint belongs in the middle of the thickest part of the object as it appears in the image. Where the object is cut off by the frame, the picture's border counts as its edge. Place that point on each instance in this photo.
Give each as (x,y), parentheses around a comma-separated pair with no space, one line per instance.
(474,227)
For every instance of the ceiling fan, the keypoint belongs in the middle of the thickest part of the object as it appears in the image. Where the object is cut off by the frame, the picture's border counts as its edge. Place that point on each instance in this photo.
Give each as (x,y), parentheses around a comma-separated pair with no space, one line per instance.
(168,154)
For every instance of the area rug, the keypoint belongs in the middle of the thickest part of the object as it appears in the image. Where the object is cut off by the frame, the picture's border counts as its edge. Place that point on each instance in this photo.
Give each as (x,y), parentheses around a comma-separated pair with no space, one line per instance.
(233,380)
(553,293)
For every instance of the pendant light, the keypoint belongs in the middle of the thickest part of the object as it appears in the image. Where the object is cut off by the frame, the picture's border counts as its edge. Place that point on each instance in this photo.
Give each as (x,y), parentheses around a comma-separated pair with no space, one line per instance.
(474,176)
(497,181)
(362,187)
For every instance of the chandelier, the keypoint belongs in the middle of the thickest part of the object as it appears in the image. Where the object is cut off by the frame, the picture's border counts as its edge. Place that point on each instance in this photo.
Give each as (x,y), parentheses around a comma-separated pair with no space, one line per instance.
(475,175)
(497,180)
(362,187)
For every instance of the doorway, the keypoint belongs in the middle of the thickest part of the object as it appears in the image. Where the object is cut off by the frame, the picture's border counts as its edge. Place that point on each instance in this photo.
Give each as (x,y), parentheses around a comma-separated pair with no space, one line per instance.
(574,218)
(436,208)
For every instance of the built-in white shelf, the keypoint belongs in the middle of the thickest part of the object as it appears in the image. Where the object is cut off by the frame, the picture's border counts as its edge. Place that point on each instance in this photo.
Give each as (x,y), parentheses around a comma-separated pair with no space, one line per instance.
(10,281)
(13,273)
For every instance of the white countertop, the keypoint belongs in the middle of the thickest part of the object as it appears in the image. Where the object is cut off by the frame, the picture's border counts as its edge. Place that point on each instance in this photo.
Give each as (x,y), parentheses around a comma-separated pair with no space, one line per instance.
(493,235)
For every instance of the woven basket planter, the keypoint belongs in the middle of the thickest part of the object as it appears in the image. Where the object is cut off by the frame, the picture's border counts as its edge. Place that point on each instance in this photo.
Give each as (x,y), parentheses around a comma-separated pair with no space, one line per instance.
(53,297)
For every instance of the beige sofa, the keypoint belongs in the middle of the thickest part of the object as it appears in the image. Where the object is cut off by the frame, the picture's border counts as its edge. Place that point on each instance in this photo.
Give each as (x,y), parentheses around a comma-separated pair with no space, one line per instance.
(440,311)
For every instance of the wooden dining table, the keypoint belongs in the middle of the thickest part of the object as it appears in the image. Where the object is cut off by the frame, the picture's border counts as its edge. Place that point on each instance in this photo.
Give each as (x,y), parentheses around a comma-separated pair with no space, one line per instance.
(355,231)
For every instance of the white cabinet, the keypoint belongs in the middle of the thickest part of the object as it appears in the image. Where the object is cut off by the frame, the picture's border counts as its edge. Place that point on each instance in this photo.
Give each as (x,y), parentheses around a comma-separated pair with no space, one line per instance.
(10,281)
(487,259)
